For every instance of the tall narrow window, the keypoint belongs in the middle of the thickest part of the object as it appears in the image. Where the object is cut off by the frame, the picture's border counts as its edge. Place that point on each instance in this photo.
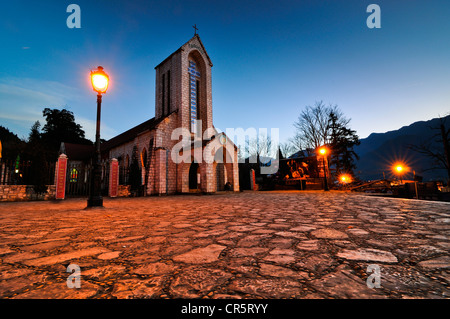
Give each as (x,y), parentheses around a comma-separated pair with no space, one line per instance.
(198,99)
(144,158)
(168,92)
(163,95)
(193,84)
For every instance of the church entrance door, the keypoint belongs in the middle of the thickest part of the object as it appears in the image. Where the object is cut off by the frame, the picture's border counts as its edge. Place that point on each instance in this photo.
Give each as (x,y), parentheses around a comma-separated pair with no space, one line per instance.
(220,177)
(193,170)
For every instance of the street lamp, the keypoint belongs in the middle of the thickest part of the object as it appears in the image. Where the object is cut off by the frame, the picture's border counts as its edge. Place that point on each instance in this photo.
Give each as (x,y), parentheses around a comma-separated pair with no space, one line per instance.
(100,81)
(399,169)
(345,178)
(323,151)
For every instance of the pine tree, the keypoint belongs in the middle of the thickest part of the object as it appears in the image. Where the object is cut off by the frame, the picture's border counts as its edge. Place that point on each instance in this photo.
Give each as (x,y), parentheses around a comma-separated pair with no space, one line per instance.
(38,172)
(342,139)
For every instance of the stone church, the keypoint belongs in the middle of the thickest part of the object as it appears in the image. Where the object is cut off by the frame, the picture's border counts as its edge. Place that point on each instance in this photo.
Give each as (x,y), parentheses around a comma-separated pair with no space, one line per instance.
(179,150)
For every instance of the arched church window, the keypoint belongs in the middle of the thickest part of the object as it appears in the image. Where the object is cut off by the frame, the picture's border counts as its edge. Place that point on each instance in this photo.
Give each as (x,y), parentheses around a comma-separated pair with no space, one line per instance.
(165,93)
(168,93)
(194,93)
(144,157)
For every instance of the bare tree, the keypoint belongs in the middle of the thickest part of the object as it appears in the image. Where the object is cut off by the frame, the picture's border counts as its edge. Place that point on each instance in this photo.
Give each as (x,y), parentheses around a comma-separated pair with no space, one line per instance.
(320,125)
(260,146)
(296,142)
(287,149)
(440,151)
(312,125)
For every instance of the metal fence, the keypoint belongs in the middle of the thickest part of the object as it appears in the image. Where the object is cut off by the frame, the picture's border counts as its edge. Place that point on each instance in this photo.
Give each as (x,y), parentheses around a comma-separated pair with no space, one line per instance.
(14,172)
(78,179)
(78,175)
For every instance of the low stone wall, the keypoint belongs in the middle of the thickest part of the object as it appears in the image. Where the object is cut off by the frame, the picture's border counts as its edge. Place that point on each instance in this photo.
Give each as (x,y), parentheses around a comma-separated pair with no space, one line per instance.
(124,191)
(9,193)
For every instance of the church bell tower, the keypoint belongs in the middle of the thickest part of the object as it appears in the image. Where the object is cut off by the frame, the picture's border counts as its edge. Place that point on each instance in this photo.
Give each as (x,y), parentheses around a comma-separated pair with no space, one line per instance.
(183,85)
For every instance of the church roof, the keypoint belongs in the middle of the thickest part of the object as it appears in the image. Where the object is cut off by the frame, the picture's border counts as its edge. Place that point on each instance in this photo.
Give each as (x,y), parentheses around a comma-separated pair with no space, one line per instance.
(133,132)
(130,134)
(299,154)
(212,139)
(182,48)
(77,152)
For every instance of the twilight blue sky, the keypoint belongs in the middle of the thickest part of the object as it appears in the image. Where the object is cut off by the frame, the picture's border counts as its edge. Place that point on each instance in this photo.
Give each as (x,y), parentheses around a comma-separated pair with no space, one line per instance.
(271,59)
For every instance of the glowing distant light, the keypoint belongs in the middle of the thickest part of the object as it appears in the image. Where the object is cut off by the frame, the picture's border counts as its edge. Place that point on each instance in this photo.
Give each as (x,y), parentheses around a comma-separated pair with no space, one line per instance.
(400,169)
(323,150)
(345,178)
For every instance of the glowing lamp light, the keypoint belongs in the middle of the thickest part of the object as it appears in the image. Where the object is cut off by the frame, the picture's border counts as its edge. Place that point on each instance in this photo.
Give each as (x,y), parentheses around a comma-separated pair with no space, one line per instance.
(323,150)
(345,178)
(100,80)
(399,168)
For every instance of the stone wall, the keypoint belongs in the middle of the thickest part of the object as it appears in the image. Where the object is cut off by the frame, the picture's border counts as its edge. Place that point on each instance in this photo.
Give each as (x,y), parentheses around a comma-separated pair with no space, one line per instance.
(124,191)
(164,142)
(9,193)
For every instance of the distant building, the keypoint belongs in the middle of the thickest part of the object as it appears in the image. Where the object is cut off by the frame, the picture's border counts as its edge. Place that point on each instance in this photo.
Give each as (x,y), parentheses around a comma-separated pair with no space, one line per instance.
(302,170)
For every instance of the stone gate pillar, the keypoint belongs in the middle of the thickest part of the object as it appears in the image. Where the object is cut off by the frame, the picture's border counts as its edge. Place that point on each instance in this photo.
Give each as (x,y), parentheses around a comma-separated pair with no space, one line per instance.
(252,180)
(60,176)
(236,173)
(113,178)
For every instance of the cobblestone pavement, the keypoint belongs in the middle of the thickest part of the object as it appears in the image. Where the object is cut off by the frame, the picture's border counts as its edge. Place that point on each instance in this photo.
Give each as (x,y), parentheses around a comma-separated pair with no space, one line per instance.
(246,245)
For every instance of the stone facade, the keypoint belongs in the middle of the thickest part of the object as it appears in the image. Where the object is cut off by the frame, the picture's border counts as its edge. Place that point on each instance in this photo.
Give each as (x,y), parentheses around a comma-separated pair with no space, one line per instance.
(169,148)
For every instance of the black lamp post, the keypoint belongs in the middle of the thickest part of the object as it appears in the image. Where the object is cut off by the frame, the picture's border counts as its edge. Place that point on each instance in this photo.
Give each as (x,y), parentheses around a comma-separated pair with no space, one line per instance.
(323,151)
(100,82)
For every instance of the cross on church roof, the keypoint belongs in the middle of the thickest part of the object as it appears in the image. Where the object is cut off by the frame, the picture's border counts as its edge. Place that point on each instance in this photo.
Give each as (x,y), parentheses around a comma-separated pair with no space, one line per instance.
(195,27)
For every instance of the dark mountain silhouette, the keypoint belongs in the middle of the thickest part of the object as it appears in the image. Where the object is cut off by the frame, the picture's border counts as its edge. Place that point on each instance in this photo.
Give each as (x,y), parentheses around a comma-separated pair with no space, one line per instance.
(379,151)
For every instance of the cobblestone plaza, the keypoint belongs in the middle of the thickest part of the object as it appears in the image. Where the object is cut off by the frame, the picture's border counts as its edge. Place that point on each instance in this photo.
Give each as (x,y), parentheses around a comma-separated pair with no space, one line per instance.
(267,245)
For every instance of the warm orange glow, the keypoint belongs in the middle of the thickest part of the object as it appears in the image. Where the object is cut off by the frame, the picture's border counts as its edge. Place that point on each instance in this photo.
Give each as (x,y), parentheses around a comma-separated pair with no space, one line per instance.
(344,178)
(399,168)
(322,150)
(100,80)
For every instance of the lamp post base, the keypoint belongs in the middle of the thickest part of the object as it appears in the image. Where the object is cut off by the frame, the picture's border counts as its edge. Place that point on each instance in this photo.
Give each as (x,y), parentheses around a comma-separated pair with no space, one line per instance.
(95,202)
